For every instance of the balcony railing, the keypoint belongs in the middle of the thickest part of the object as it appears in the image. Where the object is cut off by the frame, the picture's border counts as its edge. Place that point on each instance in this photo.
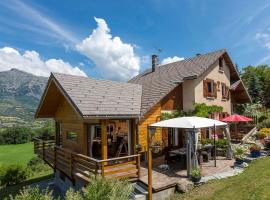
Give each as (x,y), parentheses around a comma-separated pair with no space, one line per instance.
(76,165)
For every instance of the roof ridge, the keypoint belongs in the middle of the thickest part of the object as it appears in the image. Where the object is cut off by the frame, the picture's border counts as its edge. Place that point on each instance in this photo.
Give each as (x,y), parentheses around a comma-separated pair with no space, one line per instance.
(92,78)
(179,61)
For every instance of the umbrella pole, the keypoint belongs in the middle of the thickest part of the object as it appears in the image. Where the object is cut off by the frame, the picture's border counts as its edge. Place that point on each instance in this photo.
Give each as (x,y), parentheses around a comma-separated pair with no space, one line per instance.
(149,162)
(235,129)
(215,149)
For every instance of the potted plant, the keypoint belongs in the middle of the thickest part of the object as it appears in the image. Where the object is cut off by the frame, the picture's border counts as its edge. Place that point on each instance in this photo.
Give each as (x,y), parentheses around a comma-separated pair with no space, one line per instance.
(196,175)
(239,155)
(156,146)
(138,148)
(255,151)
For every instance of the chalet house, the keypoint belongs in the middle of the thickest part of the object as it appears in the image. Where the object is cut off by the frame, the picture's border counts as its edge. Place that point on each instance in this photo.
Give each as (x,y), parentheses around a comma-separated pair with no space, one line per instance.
(99,122)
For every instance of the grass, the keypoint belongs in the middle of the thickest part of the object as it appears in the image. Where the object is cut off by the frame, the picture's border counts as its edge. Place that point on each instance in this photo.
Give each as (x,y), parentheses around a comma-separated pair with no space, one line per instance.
(5,192)
(20,154)
(252,184)
(16,154)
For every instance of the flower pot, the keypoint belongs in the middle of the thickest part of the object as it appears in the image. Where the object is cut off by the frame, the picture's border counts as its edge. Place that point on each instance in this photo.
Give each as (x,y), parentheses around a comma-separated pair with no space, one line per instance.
(255,154)
(239,161)
(196,180)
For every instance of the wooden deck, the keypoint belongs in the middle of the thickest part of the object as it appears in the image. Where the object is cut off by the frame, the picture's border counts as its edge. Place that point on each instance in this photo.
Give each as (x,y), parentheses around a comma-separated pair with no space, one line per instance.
(76,165)
(163,179)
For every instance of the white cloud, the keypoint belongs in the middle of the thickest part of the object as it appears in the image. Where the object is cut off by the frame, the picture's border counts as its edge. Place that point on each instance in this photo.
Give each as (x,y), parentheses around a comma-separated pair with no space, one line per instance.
(39,22)
(264,40)
(31,62)
(113,58)
(171,59)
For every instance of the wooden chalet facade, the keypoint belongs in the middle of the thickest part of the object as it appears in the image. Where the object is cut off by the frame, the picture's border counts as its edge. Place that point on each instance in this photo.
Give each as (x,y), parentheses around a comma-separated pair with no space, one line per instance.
(99,122)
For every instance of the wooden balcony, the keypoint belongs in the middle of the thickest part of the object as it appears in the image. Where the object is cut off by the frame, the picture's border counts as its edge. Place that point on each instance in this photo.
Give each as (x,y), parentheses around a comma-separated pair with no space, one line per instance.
(76,165)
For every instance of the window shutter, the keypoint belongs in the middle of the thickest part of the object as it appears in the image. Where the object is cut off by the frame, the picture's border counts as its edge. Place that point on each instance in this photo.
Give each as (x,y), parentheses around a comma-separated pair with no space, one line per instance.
(205,91)
(227,93)
(215,89)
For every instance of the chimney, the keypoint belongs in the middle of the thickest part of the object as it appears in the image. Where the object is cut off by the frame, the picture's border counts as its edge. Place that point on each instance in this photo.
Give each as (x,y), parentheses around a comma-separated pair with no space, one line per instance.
(154,62)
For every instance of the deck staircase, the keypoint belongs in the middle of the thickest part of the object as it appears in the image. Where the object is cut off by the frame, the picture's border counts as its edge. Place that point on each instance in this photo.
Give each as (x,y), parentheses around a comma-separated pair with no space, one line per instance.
(140,191)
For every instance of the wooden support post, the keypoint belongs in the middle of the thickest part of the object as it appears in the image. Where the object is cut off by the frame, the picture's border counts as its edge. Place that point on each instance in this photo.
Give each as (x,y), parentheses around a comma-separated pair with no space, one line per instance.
(133,135)
(149,155)
(215,148)
(104,145)
(139,165)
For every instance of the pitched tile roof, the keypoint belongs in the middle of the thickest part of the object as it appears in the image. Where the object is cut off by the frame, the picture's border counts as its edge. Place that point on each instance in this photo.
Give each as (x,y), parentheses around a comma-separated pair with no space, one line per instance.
(94,98)
(156,85)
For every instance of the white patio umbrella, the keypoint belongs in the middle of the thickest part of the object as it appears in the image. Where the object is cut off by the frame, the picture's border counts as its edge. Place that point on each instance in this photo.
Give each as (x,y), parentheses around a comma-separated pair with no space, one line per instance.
(188,123)
(191,123)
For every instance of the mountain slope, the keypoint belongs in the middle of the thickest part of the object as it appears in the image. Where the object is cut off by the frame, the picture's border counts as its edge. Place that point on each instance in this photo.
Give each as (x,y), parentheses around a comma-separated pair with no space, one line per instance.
(20,93)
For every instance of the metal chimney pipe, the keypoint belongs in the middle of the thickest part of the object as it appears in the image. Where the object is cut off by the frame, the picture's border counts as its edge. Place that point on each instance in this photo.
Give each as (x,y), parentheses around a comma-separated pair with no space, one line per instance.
(154,62)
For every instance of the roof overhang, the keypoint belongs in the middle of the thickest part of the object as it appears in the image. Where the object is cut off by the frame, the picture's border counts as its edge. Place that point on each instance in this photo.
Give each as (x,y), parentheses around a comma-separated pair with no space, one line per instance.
(51,98)
(239,93)
(54,93)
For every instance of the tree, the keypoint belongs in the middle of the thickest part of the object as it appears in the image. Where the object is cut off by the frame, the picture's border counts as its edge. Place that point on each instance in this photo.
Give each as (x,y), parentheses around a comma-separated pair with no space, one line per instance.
(261,72)
(266,93)
(254,88)
(16,135)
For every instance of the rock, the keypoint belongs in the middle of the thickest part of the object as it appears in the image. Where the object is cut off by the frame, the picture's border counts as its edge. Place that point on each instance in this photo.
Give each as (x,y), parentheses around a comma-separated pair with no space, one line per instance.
(184,185)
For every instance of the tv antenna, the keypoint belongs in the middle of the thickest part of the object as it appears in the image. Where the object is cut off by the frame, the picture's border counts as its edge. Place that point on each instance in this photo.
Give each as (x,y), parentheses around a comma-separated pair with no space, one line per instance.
(159,50)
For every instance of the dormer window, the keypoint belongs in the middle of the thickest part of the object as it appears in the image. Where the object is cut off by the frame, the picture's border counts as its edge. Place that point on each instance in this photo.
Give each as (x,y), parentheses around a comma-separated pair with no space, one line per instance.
(220,64)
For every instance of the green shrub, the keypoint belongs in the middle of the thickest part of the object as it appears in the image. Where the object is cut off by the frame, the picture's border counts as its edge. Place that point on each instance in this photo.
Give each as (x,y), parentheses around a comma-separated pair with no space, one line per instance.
(47,131)
(196,173)
(220,143)
(238,152)
(33,194)
(36,165)
(72,195)
(102,189)
(16,135)
(264,124)
(13,174)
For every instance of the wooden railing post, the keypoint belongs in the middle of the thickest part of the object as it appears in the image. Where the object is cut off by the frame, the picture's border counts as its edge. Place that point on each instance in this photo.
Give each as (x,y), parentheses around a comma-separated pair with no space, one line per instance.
(71,165)
(55,157)
(139,165)
(43,150)
(103,169)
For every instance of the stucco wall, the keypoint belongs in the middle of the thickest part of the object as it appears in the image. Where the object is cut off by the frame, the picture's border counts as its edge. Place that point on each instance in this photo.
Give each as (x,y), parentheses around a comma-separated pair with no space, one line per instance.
(188,94)
(193,89)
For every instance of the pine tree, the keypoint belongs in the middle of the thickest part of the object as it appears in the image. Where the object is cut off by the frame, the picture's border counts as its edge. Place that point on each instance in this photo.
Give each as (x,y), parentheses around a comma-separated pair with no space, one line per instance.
(266,93)
(254,88)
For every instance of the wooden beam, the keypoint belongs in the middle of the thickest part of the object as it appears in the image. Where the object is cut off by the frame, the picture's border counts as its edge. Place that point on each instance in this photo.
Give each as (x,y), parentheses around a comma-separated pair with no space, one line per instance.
(149,162)
(134,132)
(104,145)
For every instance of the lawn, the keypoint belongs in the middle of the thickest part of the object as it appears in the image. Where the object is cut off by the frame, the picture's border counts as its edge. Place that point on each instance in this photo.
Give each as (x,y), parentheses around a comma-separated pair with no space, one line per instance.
(21,154)
(252,184)
(16,154)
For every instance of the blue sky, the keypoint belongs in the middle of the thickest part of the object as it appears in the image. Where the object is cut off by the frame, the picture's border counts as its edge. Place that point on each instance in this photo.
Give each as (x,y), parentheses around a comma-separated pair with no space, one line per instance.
(52,35)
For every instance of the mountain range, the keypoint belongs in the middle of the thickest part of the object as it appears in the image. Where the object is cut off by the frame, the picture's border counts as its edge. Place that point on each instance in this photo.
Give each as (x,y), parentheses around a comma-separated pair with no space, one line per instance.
(20,93)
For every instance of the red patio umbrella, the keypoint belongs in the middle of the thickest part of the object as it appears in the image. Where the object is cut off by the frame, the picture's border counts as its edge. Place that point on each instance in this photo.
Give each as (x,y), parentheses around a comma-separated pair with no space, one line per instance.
(236,118)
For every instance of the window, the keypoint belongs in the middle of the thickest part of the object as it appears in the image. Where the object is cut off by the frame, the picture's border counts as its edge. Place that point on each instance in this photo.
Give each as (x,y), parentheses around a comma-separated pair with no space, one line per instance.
(223,90)
(210,87)
(72,136)
(220,63)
